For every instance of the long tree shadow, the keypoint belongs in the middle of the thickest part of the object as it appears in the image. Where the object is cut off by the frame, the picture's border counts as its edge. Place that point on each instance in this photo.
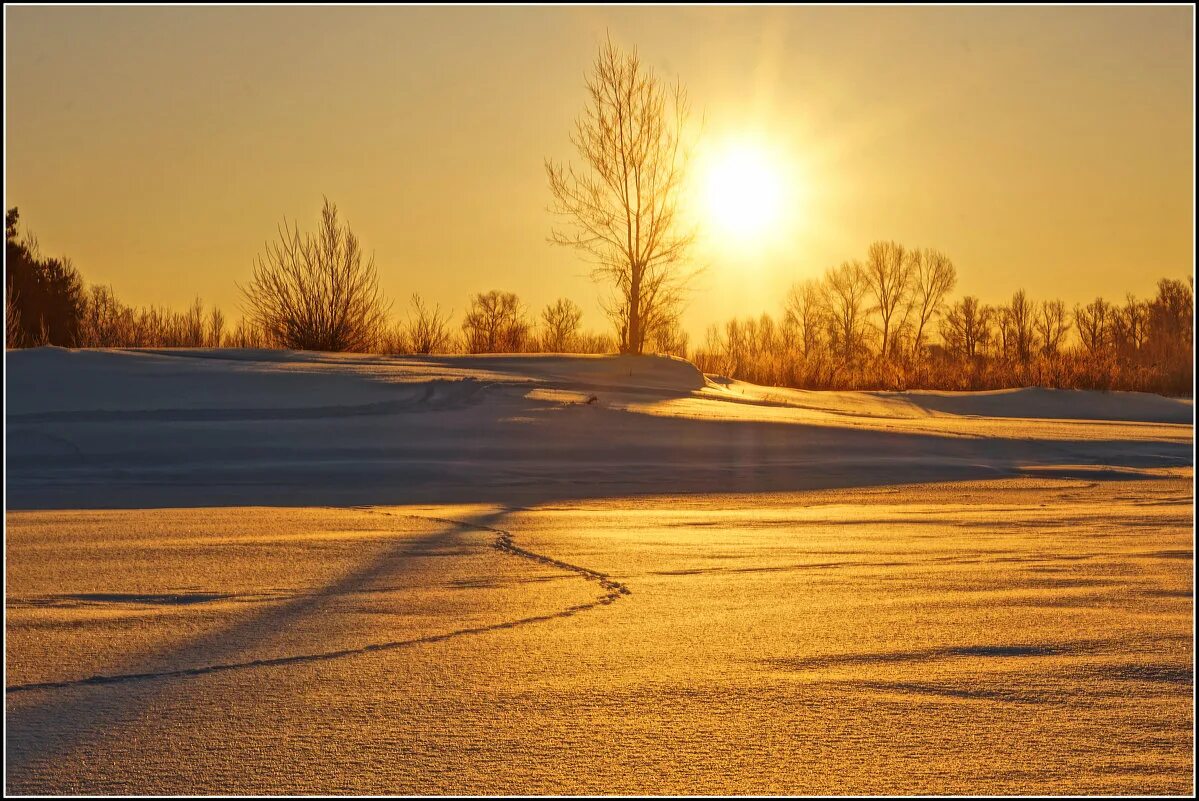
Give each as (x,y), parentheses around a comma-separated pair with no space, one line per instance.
(73,713)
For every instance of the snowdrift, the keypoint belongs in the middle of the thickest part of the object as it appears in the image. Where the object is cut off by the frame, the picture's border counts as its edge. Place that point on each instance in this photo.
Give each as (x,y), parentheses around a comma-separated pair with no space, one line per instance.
(210,427)
(1056,404)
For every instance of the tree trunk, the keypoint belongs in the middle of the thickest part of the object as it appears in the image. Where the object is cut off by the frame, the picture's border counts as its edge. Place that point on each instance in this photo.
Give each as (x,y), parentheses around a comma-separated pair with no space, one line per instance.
(634,343)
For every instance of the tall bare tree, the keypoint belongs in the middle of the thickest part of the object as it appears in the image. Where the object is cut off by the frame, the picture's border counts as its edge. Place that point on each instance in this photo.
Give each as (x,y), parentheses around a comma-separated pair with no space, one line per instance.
(621,207)
(933,277)
(314,292)
(888,272)
(845,291)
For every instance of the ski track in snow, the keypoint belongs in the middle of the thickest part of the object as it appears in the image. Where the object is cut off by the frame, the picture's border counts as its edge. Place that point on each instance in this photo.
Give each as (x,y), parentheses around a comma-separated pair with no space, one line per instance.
(504,543)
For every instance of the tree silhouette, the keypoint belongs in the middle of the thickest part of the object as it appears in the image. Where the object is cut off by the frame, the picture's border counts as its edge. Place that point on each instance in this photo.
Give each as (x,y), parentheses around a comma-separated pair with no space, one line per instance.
(495,322)
(1051,325)
(888,273)
(1094,321)
(805,316)
(966,327)
(621,207)
(428,329)
(560,323)
(933,277)
(314,292)
(48,294)
(845,291)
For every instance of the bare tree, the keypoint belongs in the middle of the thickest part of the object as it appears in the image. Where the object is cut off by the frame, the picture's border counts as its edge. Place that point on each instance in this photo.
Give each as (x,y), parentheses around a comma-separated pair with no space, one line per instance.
(104,320)
(1171,333)
(428,329)
(888,272)
(216,328)
(495,322)
(621,206)
(314,292)
(1131,324)
(933,277)
(560,322)
(1052,325)
(845,290)
(1016,327)
(804,316)
(1094,326)
(966,327)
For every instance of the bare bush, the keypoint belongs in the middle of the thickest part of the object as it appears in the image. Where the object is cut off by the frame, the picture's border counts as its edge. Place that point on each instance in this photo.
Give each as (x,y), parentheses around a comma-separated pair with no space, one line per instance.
(246,335)
(12,320)
(427,329)
(315,292)
(560,325)
(670,339)
(595,342)
(192,330)
(495,322)
(216,328)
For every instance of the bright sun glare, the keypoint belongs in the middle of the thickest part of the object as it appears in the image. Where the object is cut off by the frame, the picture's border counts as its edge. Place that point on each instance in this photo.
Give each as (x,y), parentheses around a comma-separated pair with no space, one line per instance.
(744,191)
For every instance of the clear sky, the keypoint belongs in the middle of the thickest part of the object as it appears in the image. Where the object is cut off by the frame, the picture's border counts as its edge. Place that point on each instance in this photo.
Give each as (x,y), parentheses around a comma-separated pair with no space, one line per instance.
(1043,148)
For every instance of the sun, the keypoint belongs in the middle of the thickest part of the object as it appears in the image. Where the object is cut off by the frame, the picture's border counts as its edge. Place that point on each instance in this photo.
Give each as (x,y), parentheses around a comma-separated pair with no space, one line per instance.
(744,191)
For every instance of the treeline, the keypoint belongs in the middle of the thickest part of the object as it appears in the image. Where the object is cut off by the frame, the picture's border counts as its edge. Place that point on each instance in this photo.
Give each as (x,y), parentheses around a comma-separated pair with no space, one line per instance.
(887,322)
(494,322)
(48,304)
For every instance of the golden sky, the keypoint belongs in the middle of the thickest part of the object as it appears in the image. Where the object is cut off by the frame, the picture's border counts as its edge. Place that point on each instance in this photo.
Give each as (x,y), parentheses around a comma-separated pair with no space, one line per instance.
(1043,148)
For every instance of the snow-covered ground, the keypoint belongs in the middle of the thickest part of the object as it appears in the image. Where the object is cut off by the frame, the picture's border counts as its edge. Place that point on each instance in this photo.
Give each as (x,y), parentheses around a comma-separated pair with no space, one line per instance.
(276,572)
(188,427)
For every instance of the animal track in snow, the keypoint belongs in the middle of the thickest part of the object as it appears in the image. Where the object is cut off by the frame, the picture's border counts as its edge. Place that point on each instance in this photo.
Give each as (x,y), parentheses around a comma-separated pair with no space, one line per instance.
(503,542)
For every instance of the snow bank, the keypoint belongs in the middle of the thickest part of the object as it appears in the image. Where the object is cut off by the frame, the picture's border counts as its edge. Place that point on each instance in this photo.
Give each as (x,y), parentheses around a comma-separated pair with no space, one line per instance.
(214,427)
(1056,404)
(59,380)
(1029,403)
